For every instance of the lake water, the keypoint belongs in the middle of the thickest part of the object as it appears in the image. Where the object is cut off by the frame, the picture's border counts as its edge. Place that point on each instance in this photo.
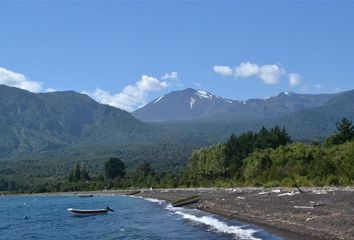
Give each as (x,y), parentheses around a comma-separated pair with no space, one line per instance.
(133,218)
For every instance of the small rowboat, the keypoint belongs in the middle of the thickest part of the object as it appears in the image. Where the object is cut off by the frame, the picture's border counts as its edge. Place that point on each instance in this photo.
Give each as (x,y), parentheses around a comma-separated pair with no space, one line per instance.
(84,195)
(88,212)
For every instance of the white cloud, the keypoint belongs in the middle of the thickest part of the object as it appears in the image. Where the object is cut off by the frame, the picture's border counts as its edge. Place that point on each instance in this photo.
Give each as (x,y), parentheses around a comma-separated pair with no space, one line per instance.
(223,70)
(246,69)
(294,79)
(170,76)
(131,96)
(269,73)
(13,79)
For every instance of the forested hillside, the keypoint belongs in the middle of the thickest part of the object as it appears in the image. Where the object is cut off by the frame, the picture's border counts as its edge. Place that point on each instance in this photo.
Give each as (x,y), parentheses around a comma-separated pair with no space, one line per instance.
(44,135)
(266,158)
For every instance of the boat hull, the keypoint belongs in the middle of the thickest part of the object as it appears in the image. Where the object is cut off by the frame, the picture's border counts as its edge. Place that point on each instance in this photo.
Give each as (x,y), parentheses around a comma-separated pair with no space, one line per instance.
(85,195)
(82,212)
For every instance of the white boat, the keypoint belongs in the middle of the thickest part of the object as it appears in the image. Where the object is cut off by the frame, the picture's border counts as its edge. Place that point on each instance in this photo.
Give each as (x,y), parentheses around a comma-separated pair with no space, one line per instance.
(89,212)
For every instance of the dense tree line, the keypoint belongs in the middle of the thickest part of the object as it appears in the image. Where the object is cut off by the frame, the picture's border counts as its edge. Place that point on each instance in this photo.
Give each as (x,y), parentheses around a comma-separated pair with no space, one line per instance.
(307,165)
(264,158)
(226,161)
(267,159)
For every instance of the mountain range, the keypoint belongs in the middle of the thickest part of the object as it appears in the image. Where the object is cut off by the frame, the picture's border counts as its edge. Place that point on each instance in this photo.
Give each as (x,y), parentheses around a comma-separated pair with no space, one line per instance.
(191,104)
(44,134)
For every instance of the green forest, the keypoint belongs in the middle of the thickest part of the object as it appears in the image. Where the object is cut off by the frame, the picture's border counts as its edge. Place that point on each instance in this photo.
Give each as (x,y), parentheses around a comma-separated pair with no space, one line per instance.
(266,158)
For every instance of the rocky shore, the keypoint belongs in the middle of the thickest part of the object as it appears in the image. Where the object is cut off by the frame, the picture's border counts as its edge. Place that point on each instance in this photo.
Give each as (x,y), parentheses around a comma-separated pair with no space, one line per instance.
(316,213)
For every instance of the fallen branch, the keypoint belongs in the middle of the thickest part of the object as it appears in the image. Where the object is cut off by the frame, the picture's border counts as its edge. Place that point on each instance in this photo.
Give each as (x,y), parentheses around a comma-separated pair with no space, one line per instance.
(292,178)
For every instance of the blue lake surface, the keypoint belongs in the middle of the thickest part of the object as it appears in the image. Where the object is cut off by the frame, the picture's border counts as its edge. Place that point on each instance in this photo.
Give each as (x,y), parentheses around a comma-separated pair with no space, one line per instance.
(133,218)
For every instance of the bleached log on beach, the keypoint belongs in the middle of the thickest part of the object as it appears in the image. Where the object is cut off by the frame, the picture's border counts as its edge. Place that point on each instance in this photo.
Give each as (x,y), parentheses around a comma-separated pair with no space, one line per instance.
(264,193)
(288,194)
(304,207)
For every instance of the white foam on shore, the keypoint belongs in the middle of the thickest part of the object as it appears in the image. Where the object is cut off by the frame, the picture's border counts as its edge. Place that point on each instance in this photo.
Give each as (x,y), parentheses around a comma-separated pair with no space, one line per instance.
(154,200)
(210,221)
(216,224)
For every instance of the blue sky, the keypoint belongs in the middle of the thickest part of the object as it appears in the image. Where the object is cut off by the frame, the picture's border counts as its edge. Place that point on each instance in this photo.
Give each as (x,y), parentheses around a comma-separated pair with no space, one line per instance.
(127,53)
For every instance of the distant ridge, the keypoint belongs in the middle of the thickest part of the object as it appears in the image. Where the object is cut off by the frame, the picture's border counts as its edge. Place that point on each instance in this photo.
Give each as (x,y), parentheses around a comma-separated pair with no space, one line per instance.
(320,121)
(192,104)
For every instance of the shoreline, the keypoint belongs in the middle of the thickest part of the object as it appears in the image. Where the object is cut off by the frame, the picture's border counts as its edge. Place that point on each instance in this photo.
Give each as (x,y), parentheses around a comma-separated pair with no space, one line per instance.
(280,211)
(318,213)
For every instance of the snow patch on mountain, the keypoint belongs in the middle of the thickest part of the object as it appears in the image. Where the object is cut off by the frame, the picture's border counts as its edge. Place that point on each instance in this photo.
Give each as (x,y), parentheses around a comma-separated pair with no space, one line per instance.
(159,98)
(284,93)
(191,103)
(204,94)
(207,95)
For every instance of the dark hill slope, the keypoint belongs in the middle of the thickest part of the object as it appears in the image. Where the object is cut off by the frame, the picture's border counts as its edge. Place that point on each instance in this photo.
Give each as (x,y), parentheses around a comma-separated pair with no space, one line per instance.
(320,121)
(43,122)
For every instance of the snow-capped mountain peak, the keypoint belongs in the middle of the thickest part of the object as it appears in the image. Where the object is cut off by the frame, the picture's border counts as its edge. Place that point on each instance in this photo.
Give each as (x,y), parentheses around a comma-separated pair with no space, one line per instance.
(191,104)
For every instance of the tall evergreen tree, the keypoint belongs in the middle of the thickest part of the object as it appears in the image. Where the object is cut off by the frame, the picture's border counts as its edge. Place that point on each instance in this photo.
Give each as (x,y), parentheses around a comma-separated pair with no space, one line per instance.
(345,130)
(77,173)
(144,174)
(84,174)
(114,168)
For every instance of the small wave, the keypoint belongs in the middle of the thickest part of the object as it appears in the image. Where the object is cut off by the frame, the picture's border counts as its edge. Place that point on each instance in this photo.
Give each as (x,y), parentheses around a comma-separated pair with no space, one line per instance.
(216,224)
(134,196)
(154,200)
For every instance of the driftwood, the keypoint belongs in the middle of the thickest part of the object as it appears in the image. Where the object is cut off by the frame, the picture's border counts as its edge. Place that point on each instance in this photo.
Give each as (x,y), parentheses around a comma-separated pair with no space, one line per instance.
(186,201)
(298,188)
(133,193)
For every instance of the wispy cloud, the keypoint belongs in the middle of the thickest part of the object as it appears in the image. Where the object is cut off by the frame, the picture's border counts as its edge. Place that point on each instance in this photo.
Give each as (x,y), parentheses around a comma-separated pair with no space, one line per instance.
(308,88)
(13,79)
(170,76)
(132,96)
(269,73)
(223,70)
(294,79)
